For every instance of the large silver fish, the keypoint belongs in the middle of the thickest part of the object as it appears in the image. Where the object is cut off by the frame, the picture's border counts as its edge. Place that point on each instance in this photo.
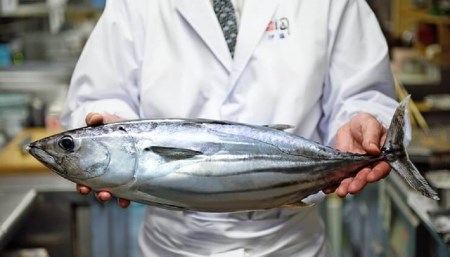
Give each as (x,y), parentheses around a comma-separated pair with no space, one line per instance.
(212,166)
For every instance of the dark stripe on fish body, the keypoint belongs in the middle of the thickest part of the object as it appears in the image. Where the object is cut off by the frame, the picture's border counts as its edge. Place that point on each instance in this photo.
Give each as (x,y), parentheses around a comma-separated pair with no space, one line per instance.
(310,179)
(284,185)
(296,167)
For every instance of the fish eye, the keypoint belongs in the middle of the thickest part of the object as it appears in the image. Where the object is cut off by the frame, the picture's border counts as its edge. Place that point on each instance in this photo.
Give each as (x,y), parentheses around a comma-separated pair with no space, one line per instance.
(67,143)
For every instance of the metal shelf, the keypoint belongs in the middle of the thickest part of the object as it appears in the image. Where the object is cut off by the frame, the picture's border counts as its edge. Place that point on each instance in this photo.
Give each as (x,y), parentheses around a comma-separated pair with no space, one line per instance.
(42,10)
(28,10)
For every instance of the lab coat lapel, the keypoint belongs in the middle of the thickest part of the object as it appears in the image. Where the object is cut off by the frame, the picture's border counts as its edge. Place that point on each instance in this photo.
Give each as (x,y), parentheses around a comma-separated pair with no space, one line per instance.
(255,18)
(200,15)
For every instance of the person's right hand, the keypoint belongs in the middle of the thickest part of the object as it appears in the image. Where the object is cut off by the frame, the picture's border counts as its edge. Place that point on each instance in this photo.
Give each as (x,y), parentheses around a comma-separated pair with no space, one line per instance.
(95,119)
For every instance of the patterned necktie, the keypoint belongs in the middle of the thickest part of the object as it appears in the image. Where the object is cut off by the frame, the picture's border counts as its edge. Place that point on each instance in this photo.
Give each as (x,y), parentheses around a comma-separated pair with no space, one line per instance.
(227,19)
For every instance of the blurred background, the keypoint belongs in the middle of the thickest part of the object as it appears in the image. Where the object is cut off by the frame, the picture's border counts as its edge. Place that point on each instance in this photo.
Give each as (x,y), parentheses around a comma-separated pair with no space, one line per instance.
(42,215)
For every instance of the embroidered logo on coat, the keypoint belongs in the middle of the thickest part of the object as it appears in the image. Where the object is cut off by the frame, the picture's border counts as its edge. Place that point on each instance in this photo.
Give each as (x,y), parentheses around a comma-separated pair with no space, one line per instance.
(278,28)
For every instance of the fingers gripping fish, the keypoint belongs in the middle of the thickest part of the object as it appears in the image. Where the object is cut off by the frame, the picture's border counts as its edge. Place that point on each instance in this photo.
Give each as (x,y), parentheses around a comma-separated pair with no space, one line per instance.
(212,166)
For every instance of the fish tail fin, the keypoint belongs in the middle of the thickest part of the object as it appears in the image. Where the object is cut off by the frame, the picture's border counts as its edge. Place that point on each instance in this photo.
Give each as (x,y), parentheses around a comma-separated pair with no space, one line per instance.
(395,154)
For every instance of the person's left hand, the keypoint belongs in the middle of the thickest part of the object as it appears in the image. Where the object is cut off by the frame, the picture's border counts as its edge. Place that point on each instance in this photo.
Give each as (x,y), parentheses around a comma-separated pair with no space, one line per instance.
(96,119)
(363,134)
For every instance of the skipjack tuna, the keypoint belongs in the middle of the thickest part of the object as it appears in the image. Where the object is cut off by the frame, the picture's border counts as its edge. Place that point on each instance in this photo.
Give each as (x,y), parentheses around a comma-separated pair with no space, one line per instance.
(212,166)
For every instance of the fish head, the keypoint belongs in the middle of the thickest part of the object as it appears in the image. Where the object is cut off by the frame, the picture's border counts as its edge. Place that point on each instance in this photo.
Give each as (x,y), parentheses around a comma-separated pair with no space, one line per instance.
(72,155)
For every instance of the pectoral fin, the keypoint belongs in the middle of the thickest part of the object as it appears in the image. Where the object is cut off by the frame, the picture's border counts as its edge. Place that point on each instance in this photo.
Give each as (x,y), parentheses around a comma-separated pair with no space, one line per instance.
(281,127)
(299,204)
(173,153)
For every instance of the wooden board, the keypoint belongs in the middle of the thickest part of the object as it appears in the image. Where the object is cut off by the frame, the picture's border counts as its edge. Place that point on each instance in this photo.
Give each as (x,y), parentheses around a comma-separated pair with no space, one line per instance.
(14,159)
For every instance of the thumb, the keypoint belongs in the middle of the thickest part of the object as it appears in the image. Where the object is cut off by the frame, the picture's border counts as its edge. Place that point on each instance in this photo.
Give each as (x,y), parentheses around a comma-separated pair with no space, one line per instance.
(94,119)
(372,133)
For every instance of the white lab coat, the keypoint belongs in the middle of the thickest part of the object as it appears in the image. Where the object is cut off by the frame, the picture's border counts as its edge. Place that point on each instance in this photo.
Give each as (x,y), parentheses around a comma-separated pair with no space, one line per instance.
(308,63)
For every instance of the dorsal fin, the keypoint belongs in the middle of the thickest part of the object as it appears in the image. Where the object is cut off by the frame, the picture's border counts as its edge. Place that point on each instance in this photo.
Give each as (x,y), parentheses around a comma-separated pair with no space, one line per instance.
(173,153)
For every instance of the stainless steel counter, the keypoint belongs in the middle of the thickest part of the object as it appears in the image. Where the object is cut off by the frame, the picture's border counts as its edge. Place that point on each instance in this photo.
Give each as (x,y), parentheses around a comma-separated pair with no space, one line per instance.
(416,210)
(43,182)
(14,206)
(18,194)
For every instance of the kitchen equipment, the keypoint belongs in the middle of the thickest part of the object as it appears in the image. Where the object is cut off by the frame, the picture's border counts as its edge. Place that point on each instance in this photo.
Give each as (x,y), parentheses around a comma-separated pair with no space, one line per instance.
(37,113)
(438,101)
(14,112)
(66,45)
(13,159)
(34,252)
(5,56)
(8,6)
(440,179)
(420,3)
(99,4)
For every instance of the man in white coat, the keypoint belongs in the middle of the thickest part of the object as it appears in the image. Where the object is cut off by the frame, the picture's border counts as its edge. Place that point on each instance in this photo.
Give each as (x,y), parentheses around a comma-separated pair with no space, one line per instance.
(319,65)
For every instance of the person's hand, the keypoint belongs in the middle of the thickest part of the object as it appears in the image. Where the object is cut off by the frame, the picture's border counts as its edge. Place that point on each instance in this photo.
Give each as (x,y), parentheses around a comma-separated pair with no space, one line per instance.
(95,119)
(363,134)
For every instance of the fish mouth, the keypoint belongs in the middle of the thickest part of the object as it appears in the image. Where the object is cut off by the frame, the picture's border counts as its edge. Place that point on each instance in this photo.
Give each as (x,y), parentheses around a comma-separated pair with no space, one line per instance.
(44,157)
